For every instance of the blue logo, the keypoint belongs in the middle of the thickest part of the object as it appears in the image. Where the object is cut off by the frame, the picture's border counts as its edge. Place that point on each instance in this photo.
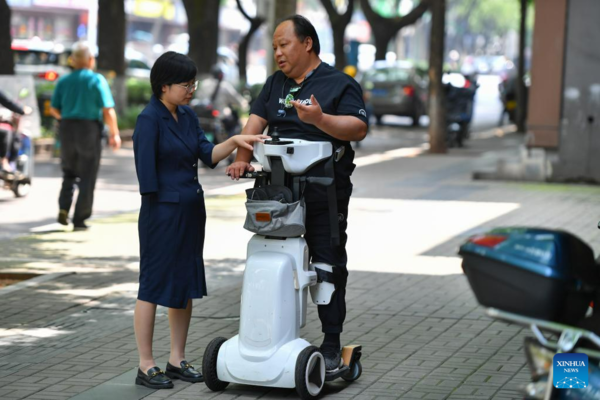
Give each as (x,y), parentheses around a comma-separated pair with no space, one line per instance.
(570,371)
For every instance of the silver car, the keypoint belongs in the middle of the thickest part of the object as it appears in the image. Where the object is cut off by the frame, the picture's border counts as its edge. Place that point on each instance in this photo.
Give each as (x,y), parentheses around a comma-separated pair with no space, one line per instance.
(397,88)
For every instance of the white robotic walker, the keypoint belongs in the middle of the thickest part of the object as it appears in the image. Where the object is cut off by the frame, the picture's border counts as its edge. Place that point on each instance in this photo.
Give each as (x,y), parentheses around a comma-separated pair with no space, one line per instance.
(268,350)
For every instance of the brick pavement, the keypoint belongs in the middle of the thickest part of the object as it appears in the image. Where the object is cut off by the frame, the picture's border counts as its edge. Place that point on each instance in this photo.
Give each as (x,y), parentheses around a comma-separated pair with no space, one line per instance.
(423,336)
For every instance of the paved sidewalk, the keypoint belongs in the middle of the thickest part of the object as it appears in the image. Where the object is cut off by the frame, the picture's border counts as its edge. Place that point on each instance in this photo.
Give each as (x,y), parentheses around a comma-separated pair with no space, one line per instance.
(423,334)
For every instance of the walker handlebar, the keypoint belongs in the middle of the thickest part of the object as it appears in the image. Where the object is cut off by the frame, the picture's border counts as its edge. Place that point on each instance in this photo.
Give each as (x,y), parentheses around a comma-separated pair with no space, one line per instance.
(320,181)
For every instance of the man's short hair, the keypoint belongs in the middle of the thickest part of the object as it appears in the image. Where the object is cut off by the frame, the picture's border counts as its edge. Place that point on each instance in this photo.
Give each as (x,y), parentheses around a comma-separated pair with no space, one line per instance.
(80,54)
(171,68)
(303,29)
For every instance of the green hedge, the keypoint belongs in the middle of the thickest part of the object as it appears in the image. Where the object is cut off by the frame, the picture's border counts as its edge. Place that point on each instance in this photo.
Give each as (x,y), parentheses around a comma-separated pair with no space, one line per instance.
(129,117)
(139,91)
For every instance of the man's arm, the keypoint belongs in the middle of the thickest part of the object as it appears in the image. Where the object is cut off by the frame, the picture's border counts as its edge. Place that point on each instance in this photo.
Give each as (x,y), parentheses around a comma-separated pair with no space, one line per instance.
(110,118)
(255,126)
(342,127)
(8,103)
(55,112)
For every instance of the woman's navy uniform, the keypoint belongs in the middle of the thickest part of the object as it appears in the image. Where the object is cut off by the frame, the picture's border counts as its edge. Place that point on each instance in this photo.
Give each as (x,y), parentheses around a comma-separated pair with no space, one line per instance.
(173,216)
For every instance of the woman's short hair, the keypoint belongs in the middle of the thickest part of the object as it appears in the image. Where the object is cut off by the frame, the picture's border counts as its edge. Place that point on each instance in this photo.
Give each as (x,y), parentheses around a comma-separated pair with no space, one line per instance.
(171,68)
(303,29)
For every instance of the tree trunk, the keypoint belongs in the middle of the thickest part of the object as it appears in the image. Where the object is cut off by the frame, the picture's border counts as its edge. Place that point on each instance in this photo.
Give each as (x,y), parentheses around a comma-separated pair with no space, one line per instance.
(7,62)
(521,90)
(111,47)
(280,10)
(382,39)
(339,22)
(255,23)
(203,28)
(338,48)
(243,51)
(437,107)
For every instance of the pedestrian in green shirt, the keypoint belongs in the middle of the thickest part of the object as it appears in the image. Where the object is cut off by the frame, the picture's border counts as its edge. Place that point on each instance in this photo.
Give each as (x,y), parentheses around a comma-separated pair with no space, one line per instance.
(81,102)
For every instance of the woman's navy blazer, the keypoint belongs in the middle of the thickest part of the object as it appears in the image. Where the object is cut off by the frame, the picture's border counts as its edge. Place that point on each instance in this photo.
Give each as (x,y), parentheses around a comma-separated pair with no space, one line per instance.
(172,216)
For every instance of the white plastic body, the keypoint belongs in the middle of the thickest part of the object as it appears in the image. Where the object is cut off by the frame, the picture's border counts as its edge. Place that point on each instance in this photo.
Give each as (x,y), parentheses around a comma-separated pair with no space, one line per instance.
(273,309)
(322,292)
(305,154)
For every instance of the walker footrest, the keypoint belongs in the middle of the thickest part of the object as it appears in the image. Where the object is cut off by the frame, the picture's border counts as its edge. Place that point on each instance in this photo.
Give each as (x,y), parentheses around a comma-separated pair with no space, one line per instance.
(351,354)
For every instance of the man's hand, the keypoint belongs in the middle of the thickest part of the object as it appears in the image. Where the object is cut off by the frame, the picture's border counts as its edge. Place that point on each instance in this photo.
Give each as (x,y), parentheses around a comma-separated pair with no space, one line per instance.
(114,141)
(309,114)
(236,169)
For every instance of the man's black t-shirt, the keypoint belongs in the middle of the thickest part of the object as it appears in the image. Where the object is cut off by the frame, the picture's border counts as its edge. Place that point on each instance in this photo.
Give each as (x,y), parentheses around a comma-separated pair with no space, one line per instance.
(337,93)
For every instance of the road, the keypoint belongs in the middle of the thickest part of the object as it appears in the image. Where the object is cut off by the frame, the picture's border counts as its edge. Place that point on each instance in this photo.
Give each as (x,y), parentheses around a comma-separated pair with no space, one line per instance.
(116,189)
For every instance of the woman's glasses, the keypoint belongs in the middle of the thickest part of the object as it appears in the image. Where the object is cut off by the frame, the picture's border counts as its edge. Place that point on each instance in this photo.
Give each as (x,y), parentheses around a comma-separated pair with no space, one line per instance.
(189,88)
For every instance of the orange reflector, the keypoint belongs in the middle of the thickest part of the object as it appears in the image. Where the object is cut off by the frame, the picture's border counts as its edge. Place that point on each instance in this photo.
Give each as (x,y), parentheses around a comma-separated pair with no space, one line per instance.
(262,217)
(488,240)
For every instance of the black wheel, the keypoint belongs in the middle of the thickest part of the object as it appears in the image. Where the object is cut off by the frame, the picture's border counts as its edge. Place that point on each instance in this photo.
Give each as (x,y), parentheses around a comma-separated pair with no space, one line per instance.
(21,189)
(310,373)
(378,119)
(209,365)
(354,373)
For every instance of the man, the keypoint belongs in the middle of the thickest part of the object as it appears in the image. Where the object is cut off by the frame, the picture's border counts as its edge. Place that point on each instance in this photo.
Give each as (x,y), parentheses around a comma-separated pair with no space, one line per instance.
(308,99)
(80,102)
(6,136)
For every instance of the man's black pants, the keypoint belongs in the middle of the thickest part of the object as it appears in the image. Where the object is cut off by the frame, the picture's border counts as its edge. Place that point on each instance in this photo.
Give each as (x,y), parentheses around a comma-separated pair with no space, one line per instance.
(80,159)
(318,238)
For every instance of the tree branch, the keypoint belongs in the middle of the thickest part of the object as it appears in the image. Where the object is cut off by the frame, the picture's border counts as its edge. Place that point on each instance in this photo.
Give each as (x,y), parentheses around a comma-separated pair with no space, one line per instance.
(412,16)
(244,13)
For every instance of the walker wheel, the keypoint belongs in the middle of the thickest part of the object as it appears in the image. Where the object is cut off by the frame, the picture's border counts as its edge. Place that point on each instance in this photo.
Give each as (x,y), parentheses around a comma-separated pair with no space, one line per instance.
(209,365)
(354,373)
(310,373)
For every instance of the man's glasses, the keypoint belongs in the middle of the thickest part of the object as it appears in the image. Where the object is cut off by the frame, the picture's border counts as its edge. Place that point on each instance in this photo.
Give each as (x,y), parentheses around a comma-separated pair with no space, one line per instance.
(189,88)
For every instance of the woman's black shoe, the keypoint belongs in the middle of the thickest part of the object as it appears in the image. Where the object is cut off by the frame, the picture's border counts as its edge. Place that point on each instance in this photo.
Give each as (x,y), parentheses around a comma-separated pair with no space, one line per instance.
(185,373)
(155,379)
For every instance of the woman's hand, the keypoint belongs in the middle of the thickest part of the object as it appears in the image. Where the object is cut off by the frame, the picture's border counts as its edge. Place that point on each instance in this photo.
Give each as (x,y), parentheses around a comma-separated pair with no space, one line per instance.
(247,141)
(224,149)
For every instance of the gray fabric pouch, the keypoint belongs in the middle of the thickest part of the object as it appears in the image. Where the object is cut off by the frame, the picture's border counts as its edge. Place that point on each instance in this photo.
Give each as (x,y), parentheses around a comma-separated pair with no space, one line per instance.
(270,213)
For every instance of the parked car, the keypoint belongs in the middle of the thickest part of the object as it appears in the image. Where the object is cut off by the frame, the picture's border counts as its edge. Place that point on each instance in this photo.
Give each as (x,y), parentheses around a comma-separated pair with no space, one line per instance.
(397,88)
(45,61)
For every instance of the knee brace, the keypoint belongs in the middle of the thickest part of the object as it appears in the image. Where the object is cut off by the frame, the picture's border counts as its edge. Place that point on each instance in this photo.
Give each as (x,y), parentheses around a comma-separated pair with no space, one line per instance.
(322,292)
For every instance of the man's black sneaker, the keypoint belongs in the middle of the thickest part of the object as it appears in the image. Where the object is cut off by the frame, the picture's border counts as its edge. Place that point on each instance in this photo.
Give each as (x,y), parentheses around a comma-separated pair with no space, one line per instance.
(63,217)
(80,226)
(333,357)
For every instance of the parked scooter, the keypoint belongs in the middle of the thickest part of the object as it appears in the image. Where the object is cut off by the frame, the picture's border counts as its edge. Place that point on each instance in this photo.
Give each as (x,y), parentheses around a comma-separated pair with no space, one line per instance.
(218,123)
(20,155)
(460,95)
(546,280)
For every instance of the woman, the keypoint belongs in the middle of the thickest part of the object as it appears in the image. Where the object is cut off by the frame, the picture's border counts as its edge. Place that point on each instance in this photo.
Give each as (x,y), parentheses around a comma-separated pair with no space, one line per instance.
(168,142)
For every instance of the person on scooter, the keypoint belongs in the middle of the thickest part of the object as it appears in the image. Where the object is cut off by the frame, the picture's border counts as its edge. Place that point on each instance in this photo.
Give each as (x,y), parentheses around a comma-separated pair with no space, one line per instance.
(6,136)
(308,99)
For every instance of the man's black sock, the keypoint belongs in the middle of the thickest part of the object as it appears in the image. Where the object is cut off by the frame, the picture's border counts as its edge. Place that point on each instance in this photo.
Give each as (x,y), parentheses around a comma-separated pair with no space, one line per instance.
(332,340)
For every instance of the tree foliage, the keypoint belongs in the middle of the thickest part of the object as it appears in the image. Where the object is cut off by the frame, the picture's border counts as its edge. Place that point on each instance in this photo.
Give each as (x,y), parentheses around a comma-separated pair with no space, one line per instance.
(488,17)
